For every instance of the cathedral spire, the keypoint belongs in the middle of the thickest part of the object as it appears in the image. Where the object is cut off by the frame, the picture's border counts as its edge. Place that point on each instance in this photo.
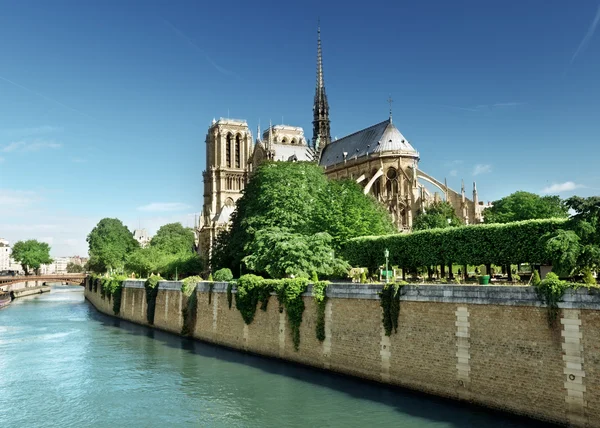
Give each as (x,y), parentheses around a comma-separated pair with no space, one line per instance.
(321,128)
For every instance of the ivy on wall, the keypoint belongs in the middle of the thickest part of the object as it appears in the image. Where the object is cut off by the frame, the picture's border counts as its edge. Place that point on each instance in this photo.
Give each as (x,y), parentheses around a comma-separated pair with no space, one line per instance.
(390,304)
(151,287)
(190,304)
(319,290)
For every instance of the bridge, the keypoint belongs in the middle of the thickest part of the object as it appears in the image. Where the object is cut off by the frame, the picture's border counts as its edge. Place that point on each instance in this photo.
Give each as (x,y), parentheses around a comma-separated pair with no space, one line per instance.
(69,278)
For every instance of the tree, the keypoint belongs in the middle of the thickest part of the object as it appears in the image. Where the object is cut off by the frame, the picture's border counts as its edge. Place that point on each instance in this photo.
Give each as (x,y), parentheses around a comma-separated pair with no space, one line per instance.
(525,206)
(31,254)
(282,253)
(74,268)
(438,215)
(586,223)
(173,238)
(110,242)
(563,249)
(298,199)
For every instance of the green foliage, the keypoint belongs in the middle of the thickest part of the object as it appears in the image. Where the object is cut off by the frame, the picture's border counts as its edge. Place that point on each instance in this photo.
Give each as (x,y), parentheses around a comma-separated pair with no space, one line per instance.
(151,286)
(153,259)
(550,291)
(588,278)
(109,244)
(31,254)
(319,290)
(210,277)
(363,276)
(390,304)
(190,302)
(314,277)
(436,216)
(586,223)
(74,268)
(525,206)
(282,253)
(111,287)
(289,295)
(223,275)
(252,289)
(499,244)
(292,200)
(535,278)
(173,238)
(562,249)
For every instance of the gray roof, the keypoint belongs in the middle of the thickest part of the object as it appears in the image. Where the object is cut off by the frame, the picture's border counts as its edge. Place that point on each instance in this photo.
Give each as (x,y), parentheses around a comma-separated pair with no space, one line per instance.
(287,152)
(381,138)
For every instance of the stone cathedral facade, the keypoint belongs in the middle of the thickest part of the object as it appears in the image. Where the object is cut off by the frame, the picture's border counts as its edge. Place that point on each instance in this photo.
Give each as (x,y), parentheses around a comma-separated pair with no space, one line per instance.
(379,157)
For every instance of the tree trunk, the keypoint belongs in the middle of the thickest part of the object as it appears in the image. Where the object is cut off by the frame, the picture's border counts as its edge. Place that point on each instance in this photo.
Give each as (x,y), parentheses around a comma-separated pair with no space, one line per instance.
(450,273)
(509,273)
(466,271)
(403,274)
(488,269)
(429,273)
(443,270)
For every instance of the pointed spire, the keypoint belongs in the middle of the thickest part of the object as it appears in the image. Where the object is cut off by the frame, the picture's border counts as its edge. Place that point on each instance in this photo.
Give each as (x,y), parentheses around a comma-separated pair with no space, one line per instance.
(462,189)
(321,124)
(270,135)
(390,100)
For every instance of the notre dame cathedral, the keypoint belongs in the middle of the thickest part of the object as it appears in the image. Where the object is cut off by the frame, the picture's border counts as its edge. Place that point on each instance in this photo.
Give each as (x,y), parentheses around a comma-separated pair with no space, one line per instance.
(379,157)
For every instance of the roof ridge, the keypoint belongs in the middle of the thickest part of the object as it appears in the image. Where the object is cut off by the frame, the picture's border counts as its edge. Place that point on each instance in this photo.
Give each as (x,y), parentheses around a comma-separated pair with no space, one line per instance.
(359,131)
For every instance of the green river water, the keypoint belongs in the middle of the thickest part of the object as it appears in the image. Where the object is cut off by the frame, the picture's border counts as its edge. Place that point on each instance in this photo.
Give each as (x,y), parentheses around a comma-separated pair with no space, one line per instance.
(63,364)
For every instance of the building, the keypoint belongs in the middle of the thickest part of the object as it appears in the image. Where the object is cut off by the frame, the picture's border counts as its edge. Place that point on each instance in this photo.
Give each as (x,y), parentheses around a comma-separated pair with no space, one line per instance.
(141,235)
(5,252)
(379,157)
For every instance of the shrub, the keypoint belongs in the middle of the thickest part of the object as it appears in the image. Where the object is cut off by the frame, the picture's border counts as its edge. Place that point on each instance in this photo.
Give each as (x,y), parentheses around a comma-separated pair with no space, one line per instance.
(363,277)
(550,291)
(210,277)
(535,278)
(223,275)
(588,278)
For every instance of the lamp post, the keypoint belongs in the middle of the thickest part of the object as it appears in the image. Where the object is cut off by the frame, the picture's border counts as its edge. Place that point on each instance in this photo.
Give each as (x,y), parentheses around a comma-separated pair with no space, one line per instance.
(387,255)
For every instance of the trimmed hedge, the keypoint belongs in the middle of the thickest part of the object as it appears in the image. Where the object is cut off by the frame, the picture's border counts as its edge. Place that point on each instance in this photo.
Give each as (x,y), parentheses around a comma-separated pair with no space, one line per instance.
(499,244)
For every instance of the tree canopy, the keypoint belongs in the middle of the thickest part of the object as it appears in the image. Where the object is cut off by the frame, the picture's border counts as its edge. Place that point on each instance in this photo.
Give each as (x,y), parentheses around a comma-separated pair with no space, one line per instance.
(290,200)
(525,206)
(31,254)
(110,242)
(74,268)
(173,238)
(438,215)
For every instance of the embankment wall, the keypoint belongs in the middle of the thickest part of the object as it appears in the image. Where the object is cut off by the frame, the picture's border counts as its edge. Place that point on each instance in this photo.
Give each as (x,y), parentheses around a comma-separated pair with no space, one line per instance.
(490,345)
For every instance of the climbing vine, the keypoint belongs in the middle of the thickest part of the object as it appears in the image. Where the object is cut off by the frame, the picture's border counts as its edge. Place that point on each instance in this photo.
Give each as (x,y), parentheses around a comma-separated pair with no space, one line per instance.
(151,286)
(229,293)
(190,303)
(550,291)
(390,303)
(211,285)
(247,295)
(289,294)
(319,291)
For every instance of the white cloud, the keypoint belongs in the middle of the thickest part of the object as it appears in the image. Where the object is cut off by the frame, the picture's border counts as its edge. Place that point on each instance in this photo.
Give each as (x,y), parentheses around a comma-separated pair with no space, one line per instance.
(453,173)
(79,160)
(482,169)
(164,207)
(16,198)
(567,186)
(33,146)
(25,132)
(1,159)
(47,239)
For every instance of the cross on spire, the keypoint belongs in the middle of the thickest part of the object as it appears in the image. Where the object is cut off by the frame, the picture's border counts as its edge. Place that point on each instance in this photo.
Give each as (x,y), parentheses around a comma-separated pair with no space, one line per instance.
(390,100)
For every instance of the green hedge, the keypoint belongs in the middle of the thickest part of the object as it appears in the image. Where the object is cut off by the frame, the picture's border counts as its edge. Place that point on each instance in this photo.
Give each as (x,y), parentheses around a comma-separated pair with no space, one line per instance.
(498,244)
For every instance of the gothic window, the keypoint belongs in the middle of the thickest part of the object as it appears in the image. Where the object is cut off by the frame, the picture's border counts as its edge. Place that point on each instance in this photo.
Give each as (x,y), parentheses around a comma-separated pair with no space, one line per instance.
(284,141)
(293,141)
(228,151)
(391,184)
(237,151)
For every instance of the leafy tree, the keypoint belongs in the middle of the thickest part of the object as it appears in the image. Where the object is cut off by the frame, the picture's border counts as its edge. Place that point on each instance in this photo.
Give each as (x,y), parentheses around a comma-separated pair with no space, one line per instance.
(438,215)
(525,206)
(109,244)
(586,223)
(31,254)
(173,238)
(297,199)
(74,268)
(223,275)
(282,253)
(562,249)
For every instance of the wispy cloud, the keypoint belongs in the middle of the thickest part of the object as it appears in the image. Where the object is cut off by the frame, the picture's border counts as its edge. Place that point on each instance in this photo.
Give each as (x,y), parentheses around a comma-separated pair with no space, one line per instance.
(29,146)
(216,66)
(453,173)
(31,91)
(588,35)
(164,207)
(79,160)
(16,198)
(485,107)
(567,186)
(482,169)
(1,159)
(27,132)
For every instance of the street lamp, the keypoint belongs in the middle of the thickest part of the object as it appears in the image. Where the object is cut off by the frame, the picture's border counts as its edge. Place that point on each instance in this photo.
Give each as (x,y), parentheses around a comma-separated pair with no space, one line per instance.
(387,255)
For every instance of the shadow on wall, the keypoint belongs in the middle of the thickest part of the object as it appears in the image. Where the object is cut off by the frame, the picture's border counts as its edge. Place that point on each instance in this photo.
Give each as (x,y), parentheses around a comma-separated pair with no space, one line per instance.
(404,401)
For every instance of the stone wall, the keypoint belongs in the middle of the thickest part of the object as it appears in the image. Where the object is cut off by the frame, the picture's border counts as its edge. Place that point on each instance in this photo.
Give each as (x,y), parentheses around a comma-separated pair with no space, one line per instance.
(483,344)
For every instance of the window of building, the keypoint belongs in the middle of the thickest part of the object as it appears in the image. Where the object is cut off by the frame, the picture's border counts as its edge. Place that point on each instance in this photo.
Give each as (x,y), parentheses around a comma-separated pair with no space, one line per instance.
(228,151)
(237,151)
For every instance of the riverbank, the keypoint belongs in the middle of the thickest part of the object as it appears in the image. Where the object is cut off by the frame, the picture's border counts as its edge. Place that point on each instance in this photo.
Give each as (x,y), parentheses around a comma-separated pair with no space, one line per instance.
(29,291)
(491,346)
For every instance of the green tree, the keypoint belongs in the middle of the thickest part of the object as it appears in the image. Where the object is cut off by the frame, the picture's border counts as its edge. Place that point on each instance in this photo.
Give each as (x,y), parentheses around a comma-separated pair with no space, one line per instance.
(525,206)
(74,268)
(110,242)
(31,254)
(173,238)
(563,249)
(298,199)
(282,253)
(438,215)
(586,223)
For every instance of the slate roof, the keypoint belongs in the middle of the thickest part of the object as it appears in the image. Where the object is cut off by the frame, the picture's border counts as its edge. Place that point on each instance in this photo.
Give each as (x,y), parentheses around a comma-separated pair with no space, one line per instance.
(381,138)
(286,152)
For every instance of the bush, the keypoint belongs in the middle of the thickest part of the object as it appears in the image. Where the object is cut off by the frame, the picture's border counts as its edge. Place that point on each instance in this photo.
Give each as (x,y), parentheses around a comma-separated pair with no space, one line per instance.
(588,278)
(550,291)
(223,275)
(535,278)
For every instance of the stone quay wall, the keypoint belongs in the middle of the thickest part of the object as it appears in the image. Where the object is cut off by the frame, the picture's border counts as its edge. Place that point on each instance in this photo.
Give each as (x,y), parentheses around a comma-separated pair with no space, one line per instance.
(487,345)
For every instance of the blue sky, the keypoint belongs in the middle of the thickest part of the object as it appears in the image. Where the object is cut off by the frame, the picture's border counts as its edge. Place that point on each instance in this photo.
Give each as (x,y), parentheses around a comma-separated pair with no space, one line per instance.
(104,106)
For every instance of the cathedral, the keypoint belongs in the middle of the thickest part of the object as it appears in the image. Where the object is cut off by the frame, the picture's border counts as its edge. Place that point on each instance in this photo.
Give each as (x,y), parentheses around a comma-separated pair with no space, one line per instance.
(379,157)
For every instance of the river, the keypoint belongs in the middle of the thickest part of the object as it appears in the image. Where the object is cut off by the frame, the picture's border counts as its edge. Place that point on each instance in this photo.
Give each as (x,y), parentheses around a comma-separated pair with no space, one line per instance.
(63,364)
